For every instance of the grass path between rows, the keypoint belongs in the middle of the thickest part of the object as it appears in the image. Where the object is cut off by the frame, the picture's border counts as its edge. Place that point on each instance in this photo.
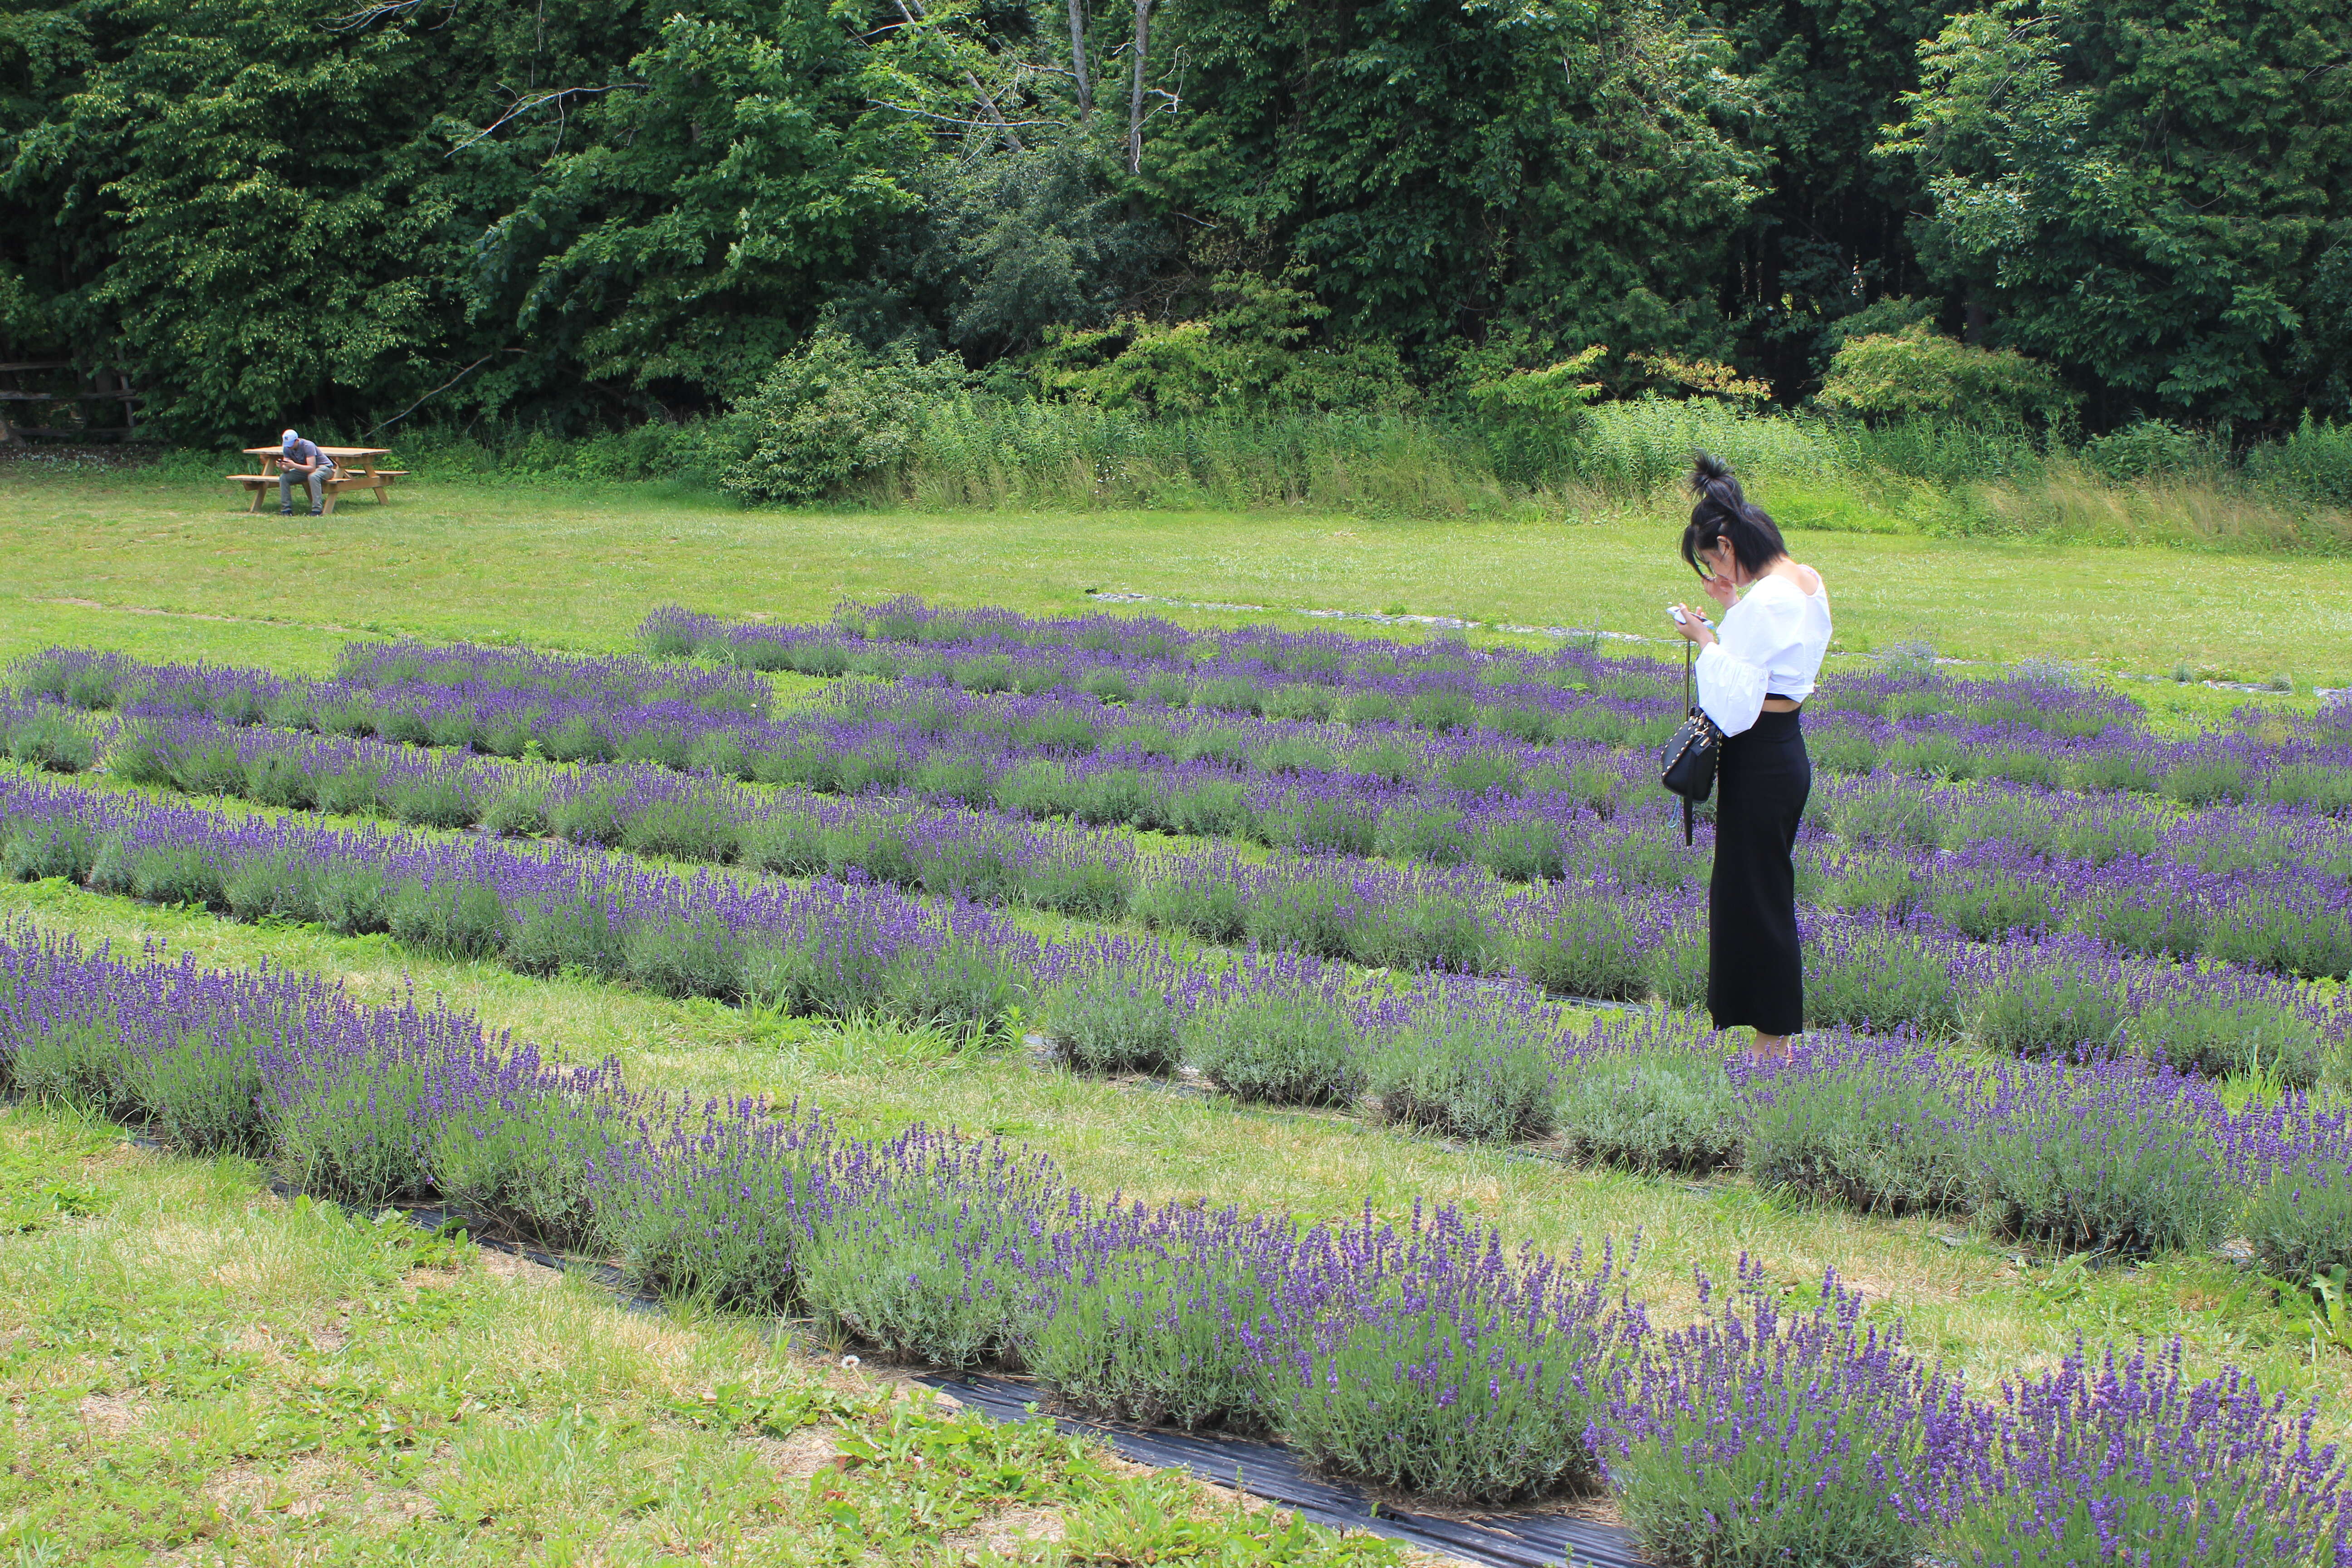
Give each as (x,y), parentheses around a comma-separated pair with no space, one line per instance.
(81,557)
(198,1372)
(1967,1299)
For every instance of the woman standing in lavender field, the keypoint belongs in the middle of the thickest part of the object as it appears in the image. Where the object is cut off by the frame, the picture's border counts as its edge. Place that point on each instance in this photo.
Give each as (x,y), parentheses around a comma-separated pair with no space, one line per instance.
(1753,679)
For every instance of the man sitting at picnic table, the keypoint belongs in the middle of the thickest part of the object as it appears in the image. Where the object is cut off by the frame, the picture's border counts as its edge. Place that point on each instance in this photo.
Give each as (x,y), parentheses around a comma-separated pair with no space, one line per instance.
(297,456)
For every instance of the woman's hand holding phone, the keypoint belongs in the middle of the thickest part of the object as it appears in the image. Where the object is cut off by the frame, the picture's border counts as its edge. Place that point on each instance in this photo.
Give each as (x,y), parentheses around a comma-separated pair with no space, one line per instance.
(1690,623)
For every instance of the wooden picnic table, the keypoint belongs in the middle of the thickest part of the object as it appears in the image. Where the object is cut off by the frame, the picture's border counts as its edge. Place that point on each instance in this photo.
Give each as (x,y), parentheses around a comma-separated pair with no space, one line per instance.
(366,477)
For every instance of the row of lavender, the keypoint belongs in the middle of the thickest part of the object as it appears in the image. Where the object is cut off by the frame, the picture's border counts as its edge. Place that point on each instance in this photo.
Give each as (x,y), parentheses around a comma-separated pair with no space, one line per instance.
(1262,668)
(509,703)
(1504,805)
(2110,1154)
(1424,1355)
(1898,944)
(1927,722)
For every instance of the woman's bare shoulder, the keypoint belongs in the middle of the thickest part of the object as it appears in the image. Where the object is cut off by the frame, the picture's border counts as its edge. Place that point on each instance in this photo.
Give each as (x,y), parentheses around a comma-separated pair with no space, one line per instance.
(1808,581)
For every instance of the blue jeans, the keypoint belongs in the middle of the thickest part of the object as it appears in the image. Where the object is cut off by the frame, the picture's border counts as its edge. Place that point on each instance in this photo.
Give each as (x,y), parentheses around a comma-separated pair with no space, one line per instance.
(318,478)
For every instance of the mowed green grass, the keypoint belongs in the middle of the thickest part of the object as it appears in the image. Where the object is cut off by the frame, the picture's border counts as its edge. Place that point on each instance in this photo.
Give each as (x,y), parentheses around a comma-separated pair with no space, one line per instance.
(87,559)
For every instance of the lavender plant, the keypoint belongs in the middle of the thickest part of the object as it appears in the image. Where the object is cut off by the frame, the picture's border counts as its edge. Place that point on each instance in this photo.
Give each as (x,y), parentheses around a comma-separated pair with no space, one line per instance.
(1466,1072)
(1150,1328)
(1431,1359)
(1754,1438)
(2125,1461)
(1653,1111)
(1879,1127)
(1110,1022)
(2301,1223)
(930,1257)
(2118,1164)
(1418,1355)
(1284,1049)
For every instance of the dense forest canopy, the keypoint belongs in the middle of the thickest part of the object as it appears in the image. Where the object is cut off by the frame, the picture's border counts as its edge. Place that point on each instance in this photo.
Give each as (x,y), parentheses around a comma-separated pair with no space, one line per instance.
(588,213)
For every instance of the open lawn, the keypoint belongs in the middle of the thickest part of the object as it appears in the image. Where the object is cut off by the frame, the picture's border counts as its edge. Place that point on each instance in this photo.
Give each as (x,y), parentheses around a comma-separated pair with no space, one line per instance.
(85,555)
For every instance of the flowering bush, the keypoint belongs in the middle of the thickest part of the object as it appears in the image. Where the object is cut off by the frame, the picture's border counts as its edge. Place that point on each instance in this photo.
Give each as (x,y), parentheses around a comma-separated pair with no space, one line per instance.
(1753,1438)
(2126,1462)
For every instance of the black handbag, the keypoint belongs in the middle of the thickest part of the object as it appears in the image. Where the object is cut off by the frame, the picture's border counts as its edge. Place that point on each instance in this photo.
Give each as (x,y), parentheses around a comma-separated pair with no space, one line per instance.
(1688,767)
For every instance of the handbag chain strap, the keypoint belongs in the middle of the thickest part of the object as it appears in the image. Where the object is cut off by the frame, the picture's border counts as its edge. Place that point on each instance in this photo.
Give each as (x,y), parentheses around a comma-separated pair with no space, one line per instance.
(1690,704)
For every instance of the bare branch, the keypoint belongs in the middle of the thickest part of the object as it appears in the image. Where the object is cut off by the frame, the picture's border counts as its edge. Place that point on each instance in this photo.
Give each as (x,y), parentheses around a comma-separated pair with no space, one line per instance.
(369,15)
(913,11)
(443,387)
(529,101)
(999,124)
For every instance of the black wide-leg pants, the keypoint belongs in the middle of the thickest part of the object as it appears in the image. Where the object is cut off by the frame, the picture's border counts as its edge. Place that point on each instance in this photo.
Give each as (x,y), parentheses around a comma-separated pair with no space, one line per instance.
(1754,975)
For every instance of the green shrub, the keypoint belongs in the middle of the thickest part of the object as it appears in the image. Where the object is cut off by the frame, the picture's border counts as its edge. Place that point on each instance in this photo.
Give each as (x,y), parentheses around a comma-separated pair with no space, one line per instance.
(1431,833)
(449,919)
(1316,822)
(2301,1224)
(2158,449)
(52,740)
(1466,1074)
(1210,909)
(1986,903)
(1886,979)
(959,986)
(832,412)
(575,933)
(1521,848)
(2129,1176)
(2225,1035)
(697,826)
(36,848)
(1286,1050)
(1594,945)
(2306,937)
(1112,1022)
(531,1162)
(434,800)
(358,1136)
(1310,912)
(203,1091)
(517,811)
(2056,1009)
(725,1227)
(1667,1110)
(77,1061)
(1875,1136)
(1916,373)
(1153,1338)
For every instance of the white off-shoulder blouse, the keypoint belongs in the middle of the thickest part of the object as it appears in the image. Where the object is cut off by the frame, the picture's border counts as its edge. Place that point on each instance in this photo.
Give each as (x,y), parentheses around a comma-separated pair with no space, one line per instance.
(1770,645)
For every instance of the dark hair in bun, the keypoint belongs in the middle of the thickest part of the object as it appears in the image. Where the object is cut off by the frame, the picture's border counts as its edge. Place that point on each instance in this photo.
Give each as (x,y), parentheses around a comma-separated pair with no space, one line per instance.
(1723,512)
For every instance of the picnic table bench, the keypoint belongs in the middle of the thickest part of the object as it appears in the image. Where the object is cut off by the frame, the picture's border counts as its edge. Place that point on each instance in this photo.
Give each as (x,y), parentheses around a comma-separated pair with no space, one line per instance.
(367,477)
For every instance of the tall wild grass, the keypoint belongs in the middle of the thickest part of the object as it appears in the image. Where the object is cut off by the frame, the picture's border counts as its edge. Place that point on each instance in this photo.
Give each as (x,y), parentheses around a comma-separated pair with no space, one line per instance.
(2147,483)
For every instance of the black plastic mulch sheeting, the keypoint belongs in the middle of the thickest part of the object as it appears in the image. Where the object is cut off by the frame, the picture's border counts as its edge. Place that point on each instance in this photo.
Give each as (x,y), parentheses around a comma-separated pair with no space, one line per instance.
(1522,1538)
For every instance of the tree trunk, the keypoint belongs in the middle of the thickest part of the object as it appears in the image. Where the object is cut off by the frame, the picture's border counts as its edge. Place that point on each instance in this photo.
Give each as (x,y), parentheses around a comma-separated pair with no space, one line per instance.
(1078,62)
(1135,94)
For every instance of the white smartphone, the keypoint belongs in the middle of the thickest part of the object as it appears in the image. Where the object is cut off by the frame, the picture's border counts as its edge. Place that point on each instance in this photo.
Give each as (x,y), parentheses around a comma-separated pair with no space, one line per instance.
(1676,611)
